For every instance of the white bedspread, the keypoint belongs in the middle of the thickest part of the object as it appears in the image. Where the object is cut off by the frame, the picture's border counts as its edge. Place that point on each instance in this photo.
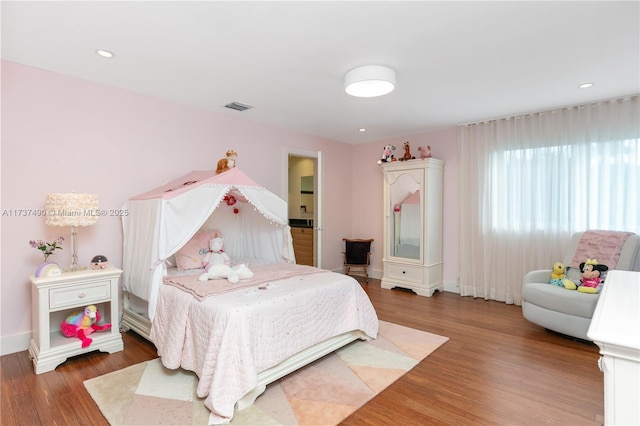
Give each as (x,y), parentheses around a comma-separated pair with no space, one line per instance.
(229,338)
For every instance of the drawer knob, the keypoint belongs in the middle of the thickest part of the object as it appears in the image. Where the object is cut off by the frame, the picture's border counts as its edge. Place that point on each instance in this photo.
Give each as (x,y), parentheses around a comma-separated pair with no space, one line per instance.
(404,272)
(82,295)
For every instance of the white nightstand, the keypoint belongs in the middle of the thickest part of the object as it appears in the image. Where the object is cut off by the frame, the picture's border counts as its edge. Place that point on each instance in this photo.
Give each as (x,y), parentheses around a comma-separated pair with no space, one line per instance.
(53,299)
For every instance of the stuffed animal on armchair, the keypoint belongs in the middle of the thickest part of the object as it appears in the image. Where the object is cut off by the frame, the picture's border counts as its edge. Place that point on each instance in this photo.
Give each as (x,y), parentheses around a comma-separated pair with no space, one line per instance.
(559,277)
(82,324)
(558,273)
(591,276)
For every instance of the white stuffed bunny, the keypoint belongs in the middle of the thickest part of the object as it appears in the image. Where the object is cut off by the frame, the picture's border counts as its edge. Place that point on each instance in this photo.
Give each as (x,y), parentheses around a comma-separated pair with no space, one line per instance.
(216,255)
(233,274)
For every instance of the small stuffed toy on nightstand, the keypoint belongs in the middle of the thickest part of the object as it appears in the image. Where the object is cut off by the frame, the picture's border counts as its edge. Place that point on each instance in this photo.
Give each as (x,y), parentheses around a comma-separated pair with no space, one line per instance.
(82,324)
(591,276)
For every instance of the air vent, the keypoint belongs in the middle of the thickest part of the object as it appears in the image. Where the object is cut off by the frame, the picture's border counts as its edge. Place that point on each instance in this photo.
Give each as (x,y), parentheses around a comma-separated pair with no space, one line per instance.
(238,106)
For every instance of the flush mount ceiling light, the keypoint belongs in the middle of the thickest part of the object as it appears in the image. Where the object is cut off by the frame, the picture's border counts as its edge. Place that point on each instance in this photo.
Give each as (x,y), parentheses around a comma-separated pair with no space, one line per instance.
(585,85)
(104,53)
(370,81)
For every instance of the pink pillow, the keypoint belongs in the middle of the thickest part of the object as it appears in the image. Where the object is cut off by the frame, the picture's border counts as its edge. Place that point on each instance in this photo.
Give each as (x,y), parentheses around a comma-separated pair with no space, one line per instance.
(192,254)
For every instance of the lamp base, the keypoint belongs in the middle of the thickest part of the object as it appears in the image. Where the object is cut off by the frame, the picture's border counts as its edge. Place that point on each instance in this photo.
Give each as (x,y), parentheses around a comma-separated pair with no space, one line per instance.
(74,268)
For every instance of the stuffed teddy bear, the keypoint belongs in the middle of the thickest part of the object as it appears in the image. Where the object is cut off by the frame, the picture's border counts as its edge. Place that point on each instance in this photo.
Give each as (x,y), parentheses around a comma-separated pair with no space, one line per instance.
(387,154)
(216,255)
(558,273)
(591,271)
(233,274)
(407,153)
(559,277)
(425,151)
(82,324)
(228,162)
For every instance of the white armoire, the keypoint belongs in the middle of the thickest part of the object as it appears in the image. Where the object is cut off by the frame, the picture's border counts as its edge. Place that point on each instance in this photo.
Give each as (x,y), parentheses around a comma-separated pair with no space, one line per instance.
(412,254)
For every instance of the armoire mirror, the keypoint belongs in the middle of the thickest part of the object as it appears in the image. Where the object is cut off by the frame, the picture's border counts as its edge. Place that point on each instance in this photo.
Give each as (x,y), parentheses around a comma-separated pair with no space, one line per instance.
(405,225)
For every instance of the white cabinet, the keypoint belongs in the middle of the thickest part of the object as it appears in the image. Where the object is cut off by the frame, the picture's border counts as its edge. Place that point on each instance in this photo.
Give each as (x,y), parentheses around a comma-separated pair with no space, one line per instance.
(412,254)
(615,328)
(54,299)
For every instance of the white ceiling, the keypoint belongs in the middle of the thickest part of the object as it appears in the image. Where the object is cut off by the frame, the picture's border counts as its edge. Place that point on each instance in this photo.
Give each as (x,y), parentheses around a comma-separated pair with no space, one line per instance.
(456,62)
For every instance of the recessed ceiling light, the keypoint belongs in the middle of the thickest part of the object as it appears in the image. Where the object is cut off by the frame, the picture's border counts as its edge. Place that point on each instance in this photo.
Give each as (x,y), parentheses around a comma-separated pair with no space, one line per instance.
(585,85)
(362,129)
(105,53)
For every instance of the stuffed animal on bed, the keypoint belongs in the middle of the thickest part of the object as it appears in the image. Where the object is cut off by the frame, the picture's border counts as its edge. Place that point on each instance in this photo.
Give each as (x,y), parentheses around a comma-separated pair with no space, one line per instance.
(216,255)
(228,162)
(591,279)
(233,274)
(82,324)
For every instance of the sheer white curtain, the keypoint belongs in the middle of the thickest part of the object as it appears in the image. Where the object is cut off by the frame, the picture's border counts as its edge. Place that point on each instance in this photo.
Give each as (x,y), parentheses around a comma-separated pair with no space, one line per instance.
(528,183)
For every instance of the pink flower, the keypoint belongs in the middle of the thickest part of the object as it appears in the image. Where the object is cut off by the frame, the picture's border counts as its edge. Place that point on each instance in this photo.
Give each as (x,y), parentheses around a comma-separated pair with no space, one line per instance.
(47,248)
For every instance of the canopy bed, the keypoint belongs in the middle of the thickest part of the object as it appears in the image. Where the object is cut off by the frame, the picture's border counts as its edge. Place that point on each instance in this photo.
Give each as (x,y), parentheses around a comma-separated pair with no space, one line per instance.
(236,337)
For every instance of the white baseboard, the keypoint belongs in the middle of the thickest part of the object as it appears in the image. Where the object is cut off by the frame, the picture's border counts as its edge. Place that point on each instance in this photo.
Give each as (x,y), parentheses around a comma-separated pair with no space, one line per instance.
(452,287)
(15,343)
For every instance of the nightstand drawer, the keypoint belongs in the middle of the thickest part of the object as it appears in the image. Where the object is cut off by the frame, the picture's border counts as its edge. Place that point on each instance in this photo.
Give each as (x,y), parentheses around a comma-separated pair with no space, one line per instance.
(405,272)
(84,294)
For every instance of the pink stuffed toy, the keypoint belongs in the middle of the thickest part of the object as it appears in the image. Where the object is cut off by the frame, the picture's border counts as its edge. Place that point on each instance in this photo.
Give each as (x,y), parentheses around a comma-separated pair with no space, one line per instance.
(82,324)
(425,152)
(591,276)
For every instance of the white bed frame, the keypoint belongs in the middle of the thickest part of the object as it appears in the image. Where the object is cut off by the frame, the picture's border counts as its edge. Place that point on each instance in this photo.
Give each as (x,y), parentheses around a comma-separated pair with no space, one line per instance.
(132,320)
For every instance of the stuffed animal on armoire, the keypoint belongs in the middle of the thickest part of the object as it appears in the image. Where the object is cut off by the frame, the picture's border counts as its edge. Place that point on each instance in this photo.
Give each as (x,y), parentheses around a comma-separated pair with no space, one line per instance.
(387,154)
(591,276)
(228,162)
(82,324)
(216,255)
(425,152)
(407,153)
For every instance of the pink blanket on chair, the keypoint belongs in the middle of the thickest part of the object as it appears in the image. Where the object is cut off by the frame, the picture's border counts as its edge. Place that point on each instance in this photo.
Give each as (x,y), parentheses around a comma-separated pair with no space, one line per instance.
(604,246)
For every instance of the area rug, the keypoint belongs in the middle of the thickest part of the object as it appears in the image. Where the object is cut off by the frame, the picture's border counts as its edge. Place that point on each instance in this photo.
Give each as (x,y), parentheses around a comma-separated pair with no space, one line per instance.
(322,393)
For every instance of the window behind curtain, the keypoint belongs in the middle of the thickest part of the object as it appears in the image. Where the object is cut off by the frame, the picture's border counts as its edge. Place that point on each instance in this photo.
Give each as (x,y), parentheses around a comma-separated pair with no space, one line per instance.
(527,183)
(603,192)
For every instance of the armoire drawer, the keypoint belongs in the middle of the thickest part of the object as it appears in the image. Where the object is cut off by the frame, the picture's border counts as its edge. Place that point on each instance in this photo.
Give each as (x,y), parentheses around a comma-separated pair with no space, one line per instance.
(404,272)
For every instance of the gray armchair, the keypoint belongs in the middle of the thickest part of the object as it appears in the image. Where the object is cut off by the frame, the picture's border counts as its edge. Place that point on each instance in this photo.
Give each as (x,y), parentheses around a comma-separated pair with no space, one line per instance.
(565,311)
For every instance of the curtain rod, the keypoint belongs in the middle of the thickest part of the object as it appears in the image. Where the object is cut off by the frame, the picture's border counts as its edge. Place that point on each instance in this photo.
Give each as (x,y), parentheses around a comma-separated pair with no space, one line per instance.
(527,114)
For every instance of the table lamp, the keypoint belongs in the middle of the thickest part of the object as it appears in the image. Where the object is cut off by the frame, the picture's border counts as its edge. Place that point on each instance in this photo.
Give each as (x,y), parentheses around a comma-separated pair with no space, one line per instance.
(72,210)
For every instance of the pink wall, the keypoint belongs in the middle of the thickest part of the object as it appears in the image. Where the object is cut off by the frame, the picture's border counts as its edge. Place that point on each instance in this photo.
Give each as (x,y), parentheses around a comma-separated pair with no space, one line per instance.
(62,134)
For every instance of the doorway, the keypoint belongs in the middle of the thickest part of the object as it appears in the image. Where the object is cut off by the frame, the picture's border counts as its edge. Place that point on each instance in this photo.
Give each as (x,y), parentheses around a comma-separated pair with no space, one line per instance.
(303,189)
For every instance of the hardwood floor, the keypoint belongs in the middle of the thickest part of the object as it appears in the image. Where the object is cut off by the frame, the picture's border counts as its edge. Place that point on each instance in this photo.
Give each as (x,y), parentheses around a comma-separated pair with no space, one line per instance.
(496,369)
